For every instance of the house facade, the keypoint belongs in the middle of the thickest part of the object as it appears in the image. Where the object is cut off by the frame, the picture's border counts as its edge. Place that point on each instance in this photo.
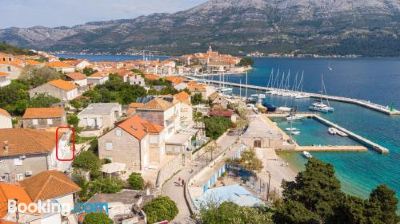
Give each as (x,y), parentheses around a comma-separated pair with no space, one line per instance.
(5,119)
(63,90)
(97,117)
(4,79)
(97,78)
(36,153)
(136,79)
(135,142)
(78,78)
(44,117)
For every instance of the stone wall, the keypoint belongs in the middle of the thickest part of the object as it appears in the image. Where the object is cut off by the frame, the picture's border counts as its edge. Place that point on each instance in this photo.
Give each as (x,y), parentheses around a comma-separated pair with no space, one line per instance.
(168,170)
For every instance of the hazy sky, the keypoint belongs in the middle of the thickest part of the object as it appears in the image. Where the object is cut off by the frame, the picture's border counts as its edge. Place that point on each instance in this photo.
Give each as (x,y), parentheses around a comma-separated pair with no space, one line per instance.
(26,13)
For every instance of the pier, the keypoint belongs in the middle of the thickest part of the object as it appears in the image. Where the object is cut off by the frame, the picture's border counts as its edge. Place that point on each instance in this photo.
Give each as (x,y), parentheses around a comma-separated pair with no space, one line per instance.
(363,103)
(332,148)
(352,135)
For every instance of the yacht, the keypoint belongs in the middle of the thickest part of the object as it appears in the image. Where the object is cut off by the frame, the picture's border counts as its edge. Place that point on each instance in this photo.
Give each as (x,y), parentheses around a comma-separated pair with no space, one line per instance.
(307,155)
(295,132)
(284,109)
(321,107)
(335,131)
(291,129)
(294,117)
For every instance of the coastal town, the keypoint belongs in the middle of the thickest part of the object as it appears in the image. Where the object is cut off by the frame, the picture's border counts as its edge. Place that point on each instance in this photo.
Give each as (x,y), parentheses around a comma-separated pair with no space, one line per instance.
(144,141)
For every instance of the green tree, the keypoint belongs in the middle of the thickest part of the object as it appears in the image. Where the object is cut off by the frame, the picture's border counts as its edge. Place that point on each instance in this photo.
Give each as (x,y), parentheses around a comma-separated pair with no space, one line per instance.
(246,61)
(43,100)
(216,126)
(87,161)
(160,209)
(197,98)
(97,218)
(136,181)
(384,199)
(228,212)
(293,212)
(105,185)
(73,120)
(250,161)
(88,71)
(36,76)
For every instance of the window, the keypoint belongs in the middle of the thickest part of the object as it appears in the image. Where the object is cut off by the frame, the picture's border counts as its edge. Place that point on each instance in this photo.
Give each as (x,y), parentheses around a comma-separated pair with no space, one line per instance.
(19,176)
(109,146)
(17,162)
(49,121)
(9,68)
(35,122)
(118,132)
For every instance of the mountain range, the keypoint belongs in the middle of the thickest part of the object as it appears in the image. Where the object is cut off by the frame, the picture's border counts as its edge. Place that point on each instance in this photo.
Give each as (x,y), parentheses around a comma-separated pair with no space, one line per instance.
(362,27)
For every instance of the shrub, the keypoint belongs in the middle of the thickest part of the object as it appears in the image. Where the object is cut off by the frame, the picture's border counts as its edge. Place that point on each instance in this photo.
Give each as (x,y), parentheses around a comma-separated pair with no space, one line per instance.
(87,161)
(160,209)
(97,218)
(136,181)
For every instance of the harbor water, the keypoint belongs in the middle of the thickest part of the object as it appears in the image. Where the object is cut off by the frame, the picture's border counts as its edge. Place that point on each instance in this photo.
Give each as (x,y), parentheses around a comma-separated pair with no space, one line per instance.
(374,79)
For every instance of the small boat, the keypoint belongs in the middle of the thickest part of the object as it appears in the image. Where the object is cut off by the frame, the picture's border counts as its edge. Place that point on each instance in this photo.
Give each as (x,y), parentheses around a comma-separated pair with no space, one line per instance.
(307,155)
(294,117)
(270,107)
(335,131)
(291,129)
(295,132)
(284,109)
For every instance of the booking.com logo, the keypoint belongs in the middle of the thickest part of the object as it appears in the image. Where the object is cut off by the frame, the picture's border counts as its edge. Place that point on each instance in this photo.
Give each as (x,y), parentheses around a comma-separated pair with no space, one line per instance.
(49,207)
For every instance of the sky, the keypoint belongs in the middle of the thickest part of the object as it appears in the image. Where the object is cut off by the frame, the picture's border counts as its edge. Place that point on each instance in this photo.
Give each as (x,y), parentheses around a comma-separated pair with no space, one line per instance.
(52,13)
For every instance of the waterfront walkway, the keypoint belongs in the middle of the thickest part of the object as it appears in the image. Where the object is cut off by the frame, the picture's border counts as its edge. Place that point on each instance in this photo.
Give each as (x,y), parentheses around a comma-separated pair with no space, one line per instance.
(363,103)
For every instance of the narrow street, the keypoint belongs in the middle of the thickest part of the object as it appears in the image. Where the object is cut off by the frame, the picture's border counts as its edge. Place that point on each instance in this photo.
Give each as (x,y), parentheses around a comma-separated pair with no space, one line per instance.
(173,188)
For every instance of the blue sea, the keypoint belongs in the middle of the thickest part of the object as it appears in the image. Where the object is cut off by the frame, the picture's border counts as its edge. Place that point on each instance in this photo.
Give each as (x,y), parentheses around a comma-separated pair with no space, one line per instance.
(374,79)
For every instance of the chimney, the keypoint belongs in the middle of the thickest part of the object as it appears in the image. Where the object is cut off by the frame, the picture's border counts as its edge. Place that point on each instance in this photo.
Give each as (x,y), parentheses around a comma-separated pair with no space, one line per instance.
(5,145)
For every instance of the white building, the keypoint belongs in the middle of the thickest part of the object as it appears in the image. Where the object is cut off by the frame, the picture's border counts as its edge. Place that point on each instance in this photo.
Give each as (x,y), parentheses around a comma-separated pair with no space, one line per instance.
(5,119)
(97,117)
(63,90)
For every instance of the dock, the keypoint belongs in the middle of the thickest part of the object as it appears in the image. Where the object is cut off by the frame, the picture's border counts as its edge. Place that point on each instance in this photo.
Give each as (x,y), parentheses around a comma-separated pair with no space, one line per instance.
(332,148)
(352,135)
(363,103)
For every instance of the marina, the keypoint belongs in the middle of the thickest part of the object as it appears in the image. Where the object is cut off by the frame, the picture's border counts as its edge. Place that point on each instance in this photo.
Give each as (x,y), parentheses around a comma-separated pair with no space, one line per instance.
(367,104)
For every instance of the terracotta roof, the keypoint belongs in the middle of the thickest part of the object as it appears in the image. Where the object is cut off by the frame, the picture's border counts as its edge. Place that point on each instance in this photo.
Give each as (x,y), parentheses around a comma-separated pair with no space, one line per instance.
(76,76)
(50,112)
(58,64)
(99,75)
(32,62)
(4,113)
(175,79)
(183,97)
(61,84)
(152,76)
(23,141)
(194,86)
(49,184)
(3,74)
(136,105)
(11,191)
(157,104)
(138,127)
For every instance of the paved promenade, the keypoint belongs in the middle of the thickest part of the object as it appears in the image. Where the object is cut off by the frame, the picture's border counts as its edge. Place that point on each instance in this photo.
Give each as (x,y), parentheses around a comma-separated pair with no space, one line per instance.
(176,192)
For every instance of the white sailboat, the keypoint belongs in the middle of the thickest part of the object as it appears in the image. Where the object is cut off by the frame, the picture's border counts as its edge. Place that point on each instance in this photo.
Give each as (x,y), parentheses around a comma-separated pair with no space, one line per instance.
(321,106)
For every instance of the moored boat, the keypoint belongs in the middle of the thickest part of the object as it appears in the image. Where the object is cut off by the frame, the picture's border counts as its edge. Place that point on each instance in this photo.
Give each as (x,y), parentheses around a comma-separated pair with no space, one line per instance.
(307,155)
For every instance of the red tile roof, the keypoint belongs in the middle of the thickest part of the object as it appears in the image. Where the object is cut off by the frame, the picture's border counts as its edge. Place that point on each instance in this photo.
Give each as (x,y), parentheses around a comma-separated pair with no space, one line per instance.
(61,84)
(49,184)
(4,113)
(152,76)
(23,141)
(76,76)
(58,64)
(51,112)
(11,191)
(183,97)
(138,127)
(221,113)
(157,104)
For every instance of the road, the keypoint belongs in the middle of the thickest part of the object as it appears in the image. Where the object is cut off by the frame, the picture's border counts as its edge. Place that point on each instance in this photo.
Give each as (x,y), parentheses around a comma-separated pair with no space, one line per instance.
(176,193)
